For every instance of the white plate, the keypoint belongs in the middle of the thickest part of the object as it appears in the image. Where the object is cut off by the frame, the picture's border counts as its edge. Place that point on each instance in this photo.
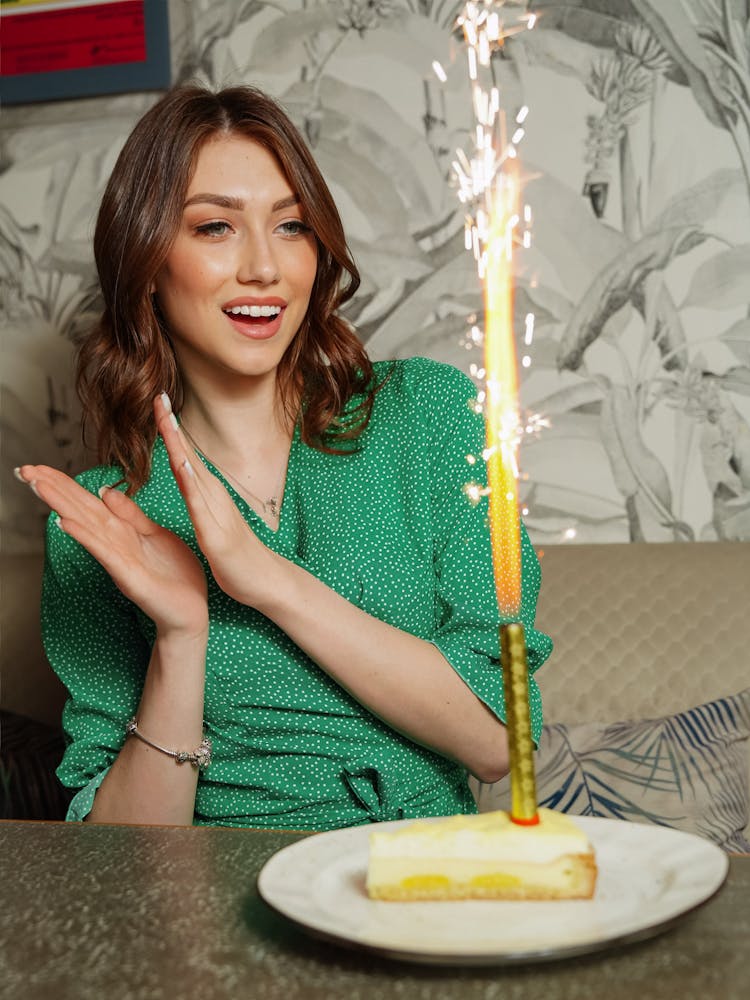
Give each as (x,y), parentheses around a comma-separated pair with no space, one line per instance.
(649,876)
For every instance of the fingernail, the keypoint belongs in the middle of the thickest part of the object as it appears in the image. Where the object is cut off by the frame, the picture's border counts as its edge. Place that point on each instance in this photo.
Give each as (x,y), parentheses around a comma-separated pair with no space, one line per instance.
(188,467)
(102,490)
(17,474)
(173,421)
(166,402)
(34,490)
(58,524)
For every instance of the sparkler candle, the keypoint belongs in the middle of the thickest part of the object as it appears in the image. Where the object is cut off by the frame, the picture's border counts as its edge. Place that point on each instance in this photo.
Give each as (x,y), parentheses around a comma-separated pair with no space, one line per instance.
(502,423)
(491,191)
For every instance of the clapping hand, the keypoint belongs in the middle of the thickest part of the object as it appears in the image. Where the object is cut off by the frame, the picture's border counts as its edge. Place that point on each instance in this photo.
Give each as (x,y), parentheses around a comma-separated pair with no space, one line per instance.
(152,566)
(241,564)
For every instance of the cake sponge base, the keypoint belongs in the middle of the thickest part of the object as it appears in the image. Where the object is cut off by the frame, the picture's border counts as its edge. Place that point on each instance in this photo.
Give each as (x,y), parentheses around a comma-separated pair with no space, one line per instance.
(568,877)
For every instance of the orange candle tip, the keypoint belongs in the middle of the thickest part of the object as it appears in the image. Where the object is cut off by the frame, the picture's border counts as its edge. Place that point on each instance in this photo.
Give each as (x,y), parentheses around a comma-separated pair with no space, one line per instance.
(525,821)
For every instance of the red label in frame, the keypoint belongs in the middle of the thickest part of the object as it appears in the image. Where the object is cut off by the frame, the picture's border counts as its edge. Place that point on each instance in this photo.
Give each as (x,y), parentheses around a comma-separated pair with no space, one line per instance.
(104,34)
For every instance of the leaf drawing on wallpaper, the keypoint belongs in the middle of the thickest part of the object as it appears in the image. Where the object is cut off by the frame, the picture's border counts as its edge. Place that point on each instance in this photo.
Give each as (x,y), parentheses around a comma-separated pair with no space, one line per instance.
(307,40)
(632,328)
(722,281)
(699,203)
(737,337)
(639,475)
(308,36)
(735,379)
(622,82)
(367,124)
(202,46)
(709,43)
(574,414)
(723,437)
(617,284)
(725,449)
(398,334)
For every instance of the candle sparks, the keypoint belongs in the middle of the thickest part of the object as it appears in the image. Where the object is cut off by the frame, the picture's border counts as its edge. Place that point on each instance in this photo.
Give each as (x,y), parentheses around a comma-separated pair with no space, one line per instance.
(489,189)
(476,176)
(439,71)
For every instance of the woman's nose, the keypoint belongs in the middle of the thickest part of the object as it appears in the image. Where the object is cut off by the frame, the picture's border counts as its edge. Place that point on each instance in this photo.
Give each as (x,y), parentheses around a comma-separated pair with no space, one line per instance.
(258,263)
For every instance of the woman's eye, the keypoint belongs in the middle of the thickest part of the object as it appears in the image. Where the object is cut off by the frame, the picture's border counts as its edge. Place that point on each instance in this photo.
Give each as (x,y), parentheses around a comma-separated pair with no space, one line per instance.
(294,227)
(213,228)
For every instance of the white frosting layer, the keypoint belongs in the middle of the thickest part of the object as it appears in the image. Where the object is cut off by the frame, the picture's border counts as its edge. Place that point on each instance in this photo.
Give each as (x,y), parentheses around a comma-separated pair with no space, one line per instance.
(487,837)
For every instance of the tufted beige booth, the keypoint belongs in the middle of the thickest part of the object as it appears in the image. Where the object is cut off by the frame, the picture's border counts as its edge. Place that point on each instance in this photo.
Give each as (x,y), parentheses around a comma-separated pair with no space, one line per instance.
(642,630)
(639,630)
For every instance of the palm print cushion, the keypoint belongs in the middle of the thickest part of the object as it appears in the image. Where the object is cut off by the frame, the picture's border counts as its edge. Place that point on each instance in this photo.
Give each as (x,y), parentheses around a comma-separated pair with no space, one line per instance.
(688,771)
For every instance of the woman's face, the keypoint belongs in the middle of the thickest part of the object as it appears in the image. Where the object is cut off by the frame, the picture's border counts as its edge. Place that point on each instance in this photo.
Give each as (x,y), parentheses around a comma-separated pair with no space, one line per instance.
(236,283)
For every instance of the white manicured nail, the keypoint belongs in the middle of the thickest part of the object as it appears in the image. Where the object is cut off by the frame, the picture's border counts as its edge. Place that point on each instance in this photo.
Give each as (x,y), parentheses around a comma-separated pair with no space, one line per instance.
(17,474)
(173,421)
(103,489)
(34,490)
(188,467)
(166,402)
(58,524)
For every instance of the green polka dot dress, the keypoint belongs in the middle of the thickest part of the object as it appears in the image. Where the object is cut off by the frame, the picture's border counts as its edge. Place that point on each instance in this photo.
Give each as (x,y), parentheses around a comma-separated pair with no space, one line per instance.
(387,526)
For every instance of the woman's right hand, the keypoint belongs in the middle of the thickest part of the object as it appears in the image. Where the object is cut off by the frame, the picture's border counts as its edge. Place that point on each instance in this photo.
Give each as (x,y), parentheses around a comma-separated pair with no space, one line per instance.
(151,566)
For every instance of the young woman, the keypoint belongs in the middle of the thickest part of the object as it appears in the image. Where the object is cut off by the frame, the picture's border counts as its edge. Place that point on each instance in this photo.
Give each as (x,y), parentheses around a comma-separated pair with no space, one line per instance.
(276,555)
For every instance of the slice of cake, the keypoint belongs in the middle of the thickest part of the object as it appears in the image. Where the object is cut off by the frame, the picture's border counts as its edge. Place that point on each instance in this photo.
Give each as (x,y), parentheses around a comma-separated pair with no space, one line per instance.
(482,857)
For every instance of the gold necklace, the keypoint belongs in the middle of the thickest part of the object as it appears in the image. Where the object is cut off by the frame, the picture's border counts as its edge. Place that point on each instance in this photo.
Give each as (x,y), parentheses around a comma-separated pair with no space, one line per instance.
(270,506)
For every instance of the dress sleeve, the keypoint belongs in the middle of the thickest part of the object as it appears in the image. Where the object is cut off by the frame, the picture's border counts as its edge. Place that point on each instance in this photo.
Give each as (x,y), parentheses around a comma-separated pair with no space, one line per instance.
(467,611)
(94,643)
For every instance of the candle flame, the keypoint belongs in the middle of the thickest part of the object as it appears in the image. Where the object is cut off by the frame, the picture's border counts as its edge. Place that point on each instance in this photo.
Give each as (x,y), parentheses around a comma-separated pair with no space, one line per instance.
(501,408)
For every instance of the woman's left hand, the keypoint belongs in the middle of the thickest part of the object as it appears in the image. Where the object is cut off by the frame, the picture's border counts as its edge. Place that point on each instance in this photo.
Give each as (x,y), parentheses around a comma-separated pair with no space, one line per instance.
(239,561)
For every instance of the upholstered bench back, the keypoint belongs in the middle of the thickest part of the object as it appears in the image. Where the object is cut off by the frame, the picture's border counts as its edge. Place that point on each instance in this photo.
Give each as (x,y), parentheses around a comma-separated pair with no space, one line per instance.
(643,629)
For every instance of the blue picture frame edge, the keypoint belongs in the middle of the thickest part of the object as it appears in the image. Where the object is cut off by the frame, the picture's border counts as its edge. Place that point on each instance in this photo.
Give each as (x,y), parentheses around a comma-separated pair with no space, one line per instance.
(153,74)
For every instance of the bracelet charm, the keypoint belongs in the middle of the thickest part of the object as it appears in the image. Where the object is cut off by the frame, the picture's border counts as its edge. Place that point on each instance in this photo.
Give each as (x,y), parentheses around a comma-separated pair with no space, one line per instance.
(200,757)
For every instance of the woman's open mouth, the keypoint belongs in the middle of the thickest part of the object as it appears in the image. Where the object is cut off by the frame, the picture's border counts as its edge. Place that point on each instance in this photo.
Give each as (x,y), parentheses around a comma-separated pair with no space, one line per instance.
(256,321)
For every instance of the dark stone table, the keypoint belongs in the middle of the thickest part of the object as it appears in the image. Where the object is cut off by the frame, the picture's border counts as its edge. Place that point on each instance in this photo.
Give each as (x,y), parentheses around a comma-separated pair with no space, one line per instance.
(165,913)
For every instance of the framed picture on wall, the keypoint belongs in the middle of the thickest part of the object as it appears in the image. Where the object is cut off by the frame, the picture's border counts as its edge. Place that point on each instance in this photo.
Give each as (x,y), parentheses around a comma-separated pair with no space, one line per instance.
(53,50)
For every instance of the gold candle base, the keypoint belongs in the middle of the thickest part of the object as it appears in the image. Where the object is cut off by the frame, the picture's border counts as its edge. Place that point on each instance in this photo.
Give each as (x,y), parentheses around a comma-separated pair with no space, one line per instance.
(520,745)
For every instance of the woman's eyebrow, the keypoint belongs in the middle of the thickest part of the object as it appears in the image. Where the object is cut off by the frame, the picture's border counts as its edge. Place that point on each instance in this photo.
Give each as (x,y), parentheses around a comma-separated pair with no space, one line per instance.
(222,200)
(289,202)
(237,204)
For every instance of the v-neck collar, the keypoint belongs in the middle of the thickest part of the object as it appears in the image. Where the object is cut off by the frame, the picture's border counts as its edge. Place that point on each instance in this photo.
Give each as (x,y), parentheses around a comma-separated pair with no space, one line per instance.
(258,524)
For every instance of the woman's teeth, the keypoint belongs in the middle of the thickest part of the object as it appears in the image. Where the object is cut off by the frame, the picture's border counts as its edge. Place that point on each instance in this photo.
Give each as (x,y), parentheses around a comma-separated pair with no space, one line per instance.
(256,311)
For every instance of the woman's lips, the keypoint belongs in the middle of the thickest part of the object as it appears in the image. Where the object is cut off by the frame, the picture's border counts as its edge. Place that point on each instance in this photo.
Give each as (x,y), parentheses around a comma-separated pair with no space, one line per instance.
(256,327)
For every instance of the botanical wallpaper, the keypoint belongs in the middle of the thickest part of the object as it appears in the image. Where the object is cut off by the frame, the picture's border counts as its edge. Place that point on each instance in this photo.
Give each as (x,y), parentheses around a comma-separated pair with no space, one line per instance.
(637,168)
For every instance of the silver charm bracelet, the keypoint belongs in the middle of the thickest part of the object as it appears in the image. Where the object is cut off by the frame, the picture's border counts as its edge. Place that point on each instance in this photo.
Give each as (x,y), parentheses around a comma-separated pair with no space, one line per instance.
(200,757)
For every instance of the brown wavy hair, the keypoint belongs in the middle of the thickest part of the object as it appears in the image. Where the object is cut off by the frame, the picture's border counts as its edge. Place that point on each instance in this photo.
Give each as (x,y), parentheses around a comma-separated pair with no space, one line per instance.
(128,358)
